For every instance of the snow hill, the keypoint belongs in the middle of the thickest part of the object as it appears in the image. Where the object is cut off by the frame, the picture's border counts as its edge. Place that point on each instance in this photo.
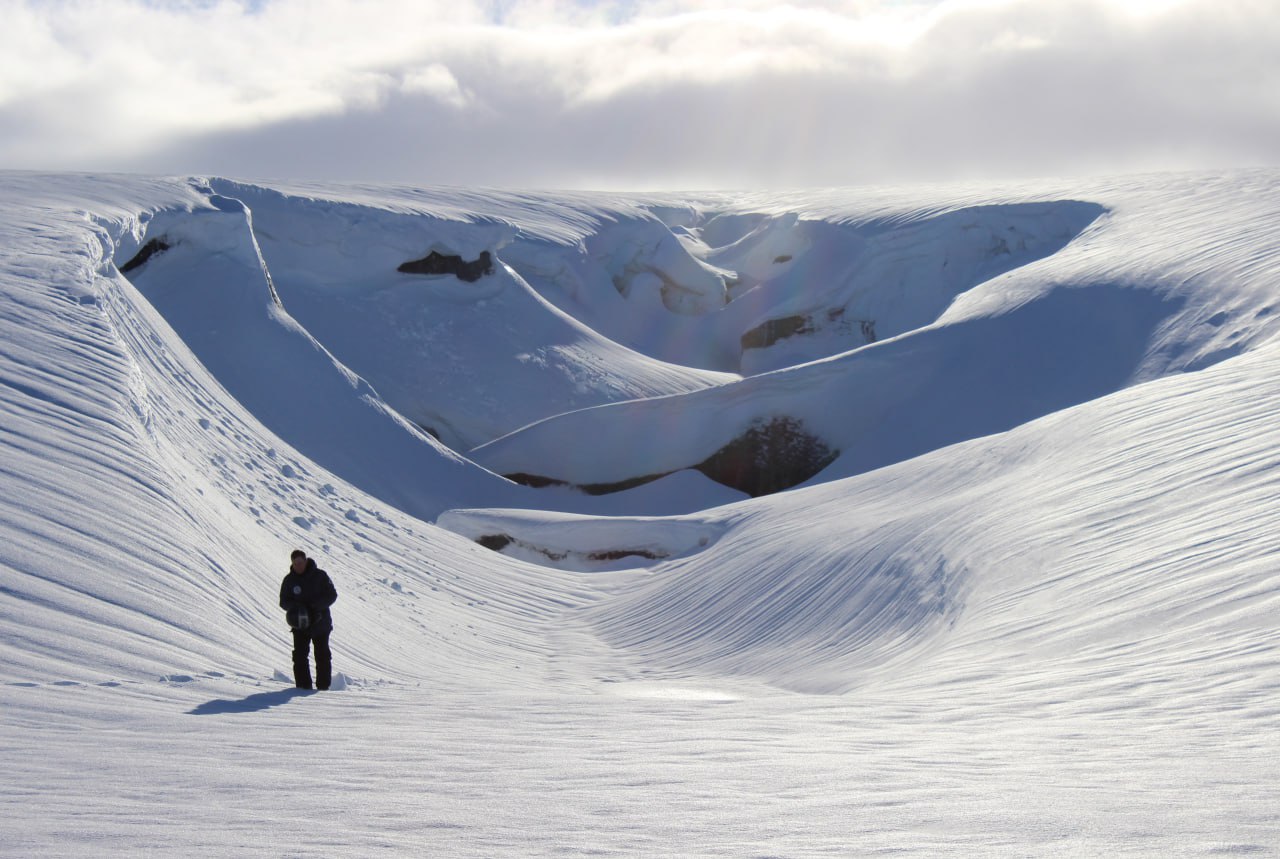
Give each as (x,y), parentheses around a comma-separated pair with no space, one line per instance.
(832,522)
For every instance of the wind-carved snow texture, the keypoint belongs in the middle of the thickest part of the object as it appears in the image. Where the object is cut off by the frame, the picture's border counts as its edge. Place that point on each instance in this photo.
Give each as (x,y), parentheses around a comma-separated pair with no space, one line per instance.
(1028,609)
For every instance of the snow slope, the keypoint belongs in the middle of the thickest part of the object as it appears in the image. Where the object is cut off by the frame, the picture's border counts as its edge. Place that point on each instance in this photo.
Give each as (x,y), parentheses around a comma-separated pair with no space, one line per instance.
(1129,301)
(1025,607)
(470,360)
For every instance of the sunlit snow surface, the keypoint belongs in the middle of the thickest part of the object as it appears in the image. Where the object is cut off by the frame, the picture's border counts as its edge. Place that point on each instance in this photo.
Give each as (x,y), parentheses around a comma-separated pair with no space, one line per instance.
(1029,608)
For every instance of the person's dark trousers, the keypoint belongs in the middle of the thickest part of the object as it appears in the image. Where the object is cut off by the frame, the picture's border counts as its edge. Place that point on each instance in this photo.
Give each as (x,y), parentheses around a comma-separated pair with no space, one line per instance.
(303,639)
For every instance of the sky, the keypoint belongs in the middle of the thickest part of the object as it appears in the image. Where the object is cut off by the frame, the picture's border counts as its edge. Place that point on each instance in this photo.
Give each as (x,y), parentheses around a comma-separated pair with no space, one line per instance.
(639,94)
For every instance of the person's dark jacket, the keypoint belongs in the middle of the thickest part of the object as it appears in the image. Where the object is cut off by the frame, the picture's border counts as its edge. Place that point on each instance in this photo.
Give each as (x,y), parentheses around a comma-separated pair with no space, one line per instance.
(310,589)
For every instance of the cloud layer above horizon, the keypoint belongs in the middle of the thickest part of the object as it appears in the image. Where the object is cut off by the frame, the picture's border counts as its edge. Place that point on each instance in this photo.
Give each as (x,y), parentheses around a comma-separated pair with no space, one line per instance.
(639,93)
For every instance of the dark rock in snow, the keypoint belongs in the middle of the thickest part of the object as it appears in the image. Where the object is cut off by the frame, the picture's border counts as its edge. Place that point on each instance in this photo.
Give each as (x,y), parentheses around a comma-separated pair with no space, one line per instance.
(772,455)
(771,331)
(535,481)
(150,249)
(438,263)
(769,457)
(500,542)
(619,554)
(496,542)
(629,483)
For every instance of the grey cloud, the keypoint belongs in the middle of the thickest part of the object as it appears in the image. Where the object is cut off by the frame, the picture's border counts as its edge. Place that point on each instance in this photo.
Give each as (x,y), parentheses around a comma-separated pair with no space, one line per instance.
(1014,89)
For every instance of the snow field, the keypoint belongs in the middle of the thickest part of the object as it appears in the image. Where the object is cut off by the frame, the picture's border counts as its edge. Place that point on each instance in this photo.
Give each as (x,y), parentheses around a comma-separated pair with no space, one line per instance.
(1027,611)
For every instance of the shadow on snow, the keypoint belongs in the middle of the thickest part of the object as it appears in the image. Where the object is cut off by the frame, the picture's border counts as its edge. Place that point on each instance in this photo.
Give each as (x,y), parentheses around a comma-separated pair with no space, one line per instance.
(252,704)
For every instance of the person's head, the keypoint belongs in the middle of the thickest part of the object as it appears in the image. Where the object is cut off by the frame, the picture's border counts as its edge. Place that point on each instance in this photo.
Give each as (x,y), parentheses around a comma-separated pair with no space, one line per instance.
(298,560)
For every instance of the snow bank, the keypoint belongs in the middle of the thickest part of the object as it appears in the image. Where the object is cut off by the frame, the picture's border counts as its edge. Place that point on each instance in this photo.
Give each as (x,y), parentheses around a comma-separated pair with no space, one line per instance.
(582,543)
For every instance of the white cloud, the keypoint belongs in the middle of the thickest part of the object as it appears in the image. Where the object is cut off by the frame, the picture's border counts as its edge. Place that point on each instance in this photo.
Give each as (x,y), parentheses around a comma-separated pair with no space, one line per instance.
(639,92)
(434,80)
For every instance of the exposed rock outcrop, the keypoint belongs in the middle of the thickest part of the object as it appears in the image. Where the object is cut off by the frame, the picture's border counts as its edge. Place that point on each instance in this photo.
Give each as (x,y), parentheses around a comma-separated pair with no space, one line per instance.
(771,331)
(772,455)
(438,263)
(505,543)
(146,252)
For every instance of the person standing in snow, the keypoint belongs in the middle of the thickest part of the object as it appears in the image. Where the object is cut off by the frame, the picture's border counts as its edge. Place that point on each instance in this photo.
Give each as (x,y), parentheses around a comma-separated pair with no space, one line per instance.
(305,595)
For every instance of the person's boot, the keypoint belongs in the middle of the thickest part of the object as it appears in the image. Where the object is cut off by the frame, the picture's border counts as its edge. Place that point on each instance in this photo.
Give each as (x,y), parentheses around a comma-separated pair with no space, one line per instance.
(324,663)
(301,671)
